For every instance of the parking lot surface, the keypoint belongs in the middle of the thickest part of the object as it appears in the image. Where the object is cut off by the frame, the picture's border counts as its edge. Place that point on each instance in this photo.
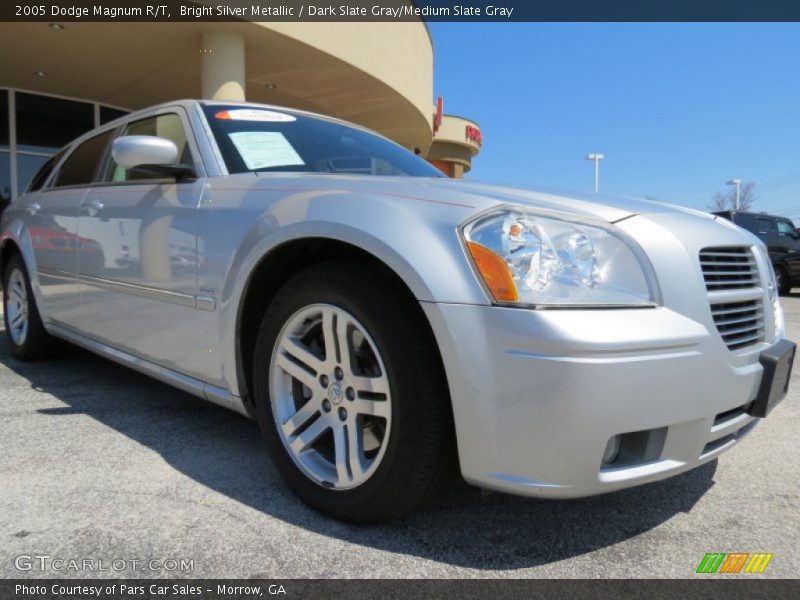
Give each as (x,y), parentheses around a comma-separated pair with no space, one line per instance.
(101,464)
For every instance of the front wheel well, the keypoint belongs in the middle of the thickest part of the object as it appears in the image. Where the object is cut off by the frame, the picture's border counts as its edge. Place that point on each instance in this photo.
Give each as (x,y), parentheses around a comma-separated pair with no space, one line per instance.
(274,271)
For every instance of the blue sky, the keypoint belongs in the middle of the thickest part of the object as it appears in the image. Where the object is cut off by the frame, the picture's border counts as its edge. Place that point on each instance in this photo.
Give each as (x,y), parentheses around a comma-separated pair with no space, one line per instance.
(677,109)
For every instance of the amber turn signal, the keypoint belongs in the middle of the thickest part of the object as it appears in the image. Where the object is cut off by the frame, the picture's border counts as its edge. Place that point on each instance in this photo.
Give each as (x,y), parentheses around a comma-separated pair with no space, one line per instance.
(495,273)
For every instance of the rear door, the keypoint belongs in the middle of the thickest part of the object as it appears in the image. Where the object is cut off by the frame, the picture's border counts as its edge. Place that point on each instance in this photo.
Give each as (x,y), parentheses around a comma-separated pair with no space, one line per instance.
(765,229)
(138,295)
(53,228)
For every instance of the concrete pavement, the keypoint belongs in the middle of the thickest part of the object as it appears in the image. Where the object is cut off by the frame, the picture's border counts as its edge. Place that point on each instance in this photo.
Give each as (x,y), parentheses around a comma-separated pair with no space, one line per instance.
(103,464)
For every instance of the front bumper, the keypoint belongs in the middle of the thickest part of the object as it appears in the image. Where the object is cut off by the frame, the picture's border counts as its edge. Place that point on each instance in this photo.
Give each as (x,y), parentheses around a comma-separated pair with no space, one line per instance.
(537,394)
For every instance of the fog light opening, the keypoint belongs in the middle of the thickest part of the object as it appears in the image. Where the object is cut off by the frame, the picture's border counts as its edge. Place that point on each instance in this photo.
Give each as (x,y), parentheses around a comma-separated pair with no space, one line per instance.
(611,452)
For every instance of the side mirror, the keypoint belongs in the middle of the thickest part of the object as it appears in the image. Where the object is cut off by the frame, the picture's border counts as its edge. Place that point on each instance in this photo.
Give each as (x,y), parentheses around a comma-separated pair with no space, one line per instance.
(149,154)
(795,234)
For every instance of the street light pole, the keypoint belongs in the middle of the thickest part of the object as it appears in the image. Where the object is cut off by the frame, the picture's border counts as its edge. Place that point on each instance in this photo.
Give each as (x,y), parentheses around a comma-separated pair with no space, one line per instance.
(737,183)
(596,158)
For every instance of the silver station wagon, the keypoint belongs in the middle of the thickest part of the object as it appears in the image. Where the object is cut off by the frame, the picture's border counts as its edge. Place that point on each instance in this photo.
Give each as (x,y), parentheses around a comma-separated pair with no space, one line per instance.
(387,326)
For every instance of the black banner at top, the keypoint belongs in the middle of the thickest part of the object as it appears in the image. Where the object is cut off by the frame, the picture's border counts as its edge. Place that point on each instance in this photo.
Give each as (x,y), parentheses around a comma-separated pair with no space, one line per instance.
(399,10)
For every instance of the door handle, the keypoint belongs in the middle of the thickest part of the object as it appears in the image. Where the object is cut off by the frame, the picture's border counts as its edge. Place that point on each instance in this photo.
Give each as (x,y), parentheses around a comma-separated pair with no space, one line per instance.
(34,207)
(92,207)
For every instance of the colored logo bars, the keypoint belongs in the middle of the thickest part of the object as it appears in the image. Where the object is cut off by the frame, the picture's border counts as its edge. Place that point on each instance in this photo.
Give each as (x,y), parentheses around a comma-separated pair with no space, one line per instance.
(734,562)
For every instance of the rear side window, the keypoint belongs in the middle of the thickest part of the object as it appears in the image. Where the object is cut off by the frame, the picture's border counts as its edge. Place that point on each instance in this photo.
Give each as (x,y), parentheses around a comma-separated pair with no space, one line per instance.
(42,174)
(80,167)
(765,225)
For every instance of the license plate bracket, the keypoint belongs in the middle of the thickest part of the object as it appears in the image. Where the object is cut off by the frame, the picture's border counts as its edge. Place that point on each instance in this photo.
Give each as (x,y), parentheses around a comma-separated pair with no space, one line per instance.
(777,362)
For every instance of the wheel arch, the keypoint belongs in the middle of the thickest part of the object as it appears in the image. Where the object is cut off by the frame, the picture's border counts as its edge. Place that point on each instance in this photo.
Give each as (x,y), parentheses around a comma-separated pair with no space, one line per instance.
(16,239)
(275,268)
(8,248)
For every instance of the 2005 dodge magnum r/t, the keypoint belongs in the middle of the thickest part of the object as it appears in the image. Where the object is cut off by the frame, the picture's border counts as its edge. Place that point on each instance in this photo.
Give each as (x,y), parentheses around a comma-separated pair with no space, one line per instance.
(384,323)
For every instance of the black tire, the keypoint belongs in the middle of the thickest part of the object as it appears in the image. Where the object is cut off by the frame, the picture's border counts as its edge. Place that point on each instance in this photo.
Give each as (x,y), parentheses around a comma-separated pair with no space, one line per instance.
(783,281)
(420,452)
(37,343)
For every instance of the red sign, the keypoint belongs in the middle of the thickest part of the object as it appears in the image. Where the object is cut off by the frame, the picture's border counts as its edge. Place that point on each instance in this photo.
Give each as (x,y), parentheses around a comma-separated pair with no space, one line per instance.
(474,135)
(437,116)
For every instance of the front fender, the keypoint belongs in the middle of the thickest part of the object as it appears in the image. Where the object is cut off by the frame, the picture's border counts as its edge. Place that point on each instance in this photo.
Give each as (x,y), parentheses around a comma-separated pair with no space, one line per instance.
(417,240)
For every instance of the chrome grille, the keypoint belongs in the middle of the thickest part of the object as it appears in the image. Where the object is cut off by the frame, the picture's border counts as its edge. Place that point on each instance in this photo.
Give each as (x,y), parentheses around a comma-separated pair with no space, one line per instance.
(728,268)
(739,323)
(731,272)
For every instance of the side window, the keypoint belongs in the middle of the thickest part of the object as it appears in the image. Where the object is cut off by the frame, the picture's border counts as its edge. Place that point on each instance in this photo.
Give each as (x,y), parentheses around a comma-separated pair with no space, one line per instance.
(168,126)
(42,174)
(80,166)
(785,228)
(765,225)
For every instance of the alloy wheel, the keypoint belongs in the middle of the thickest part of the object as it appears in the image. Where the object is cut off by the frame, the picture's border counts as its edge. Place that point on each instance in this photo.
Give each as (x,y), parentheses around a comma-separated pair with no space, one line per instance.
(17,306)
(330,396)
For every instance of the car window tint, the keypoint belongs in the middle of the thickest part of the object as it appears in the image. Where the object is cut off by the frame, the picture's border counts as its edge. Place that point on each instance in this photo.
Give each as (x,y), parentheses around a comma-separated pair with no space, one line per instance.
(784,227)
(765,225)
(167,126)
(80,166)
(44,172)
(265,140)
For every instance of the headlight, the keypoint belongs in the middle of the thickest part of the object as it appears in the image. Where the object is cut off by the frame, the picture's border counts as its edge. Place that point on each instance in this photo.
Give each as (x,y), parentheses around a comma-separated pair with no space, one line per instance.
(532,259)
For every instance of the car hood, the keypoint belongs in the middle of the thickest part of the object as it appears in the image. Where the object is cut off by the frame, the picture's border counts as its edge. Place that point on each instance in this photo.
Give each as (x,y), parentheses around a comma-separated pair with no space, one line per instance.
(479,196)
(598,206)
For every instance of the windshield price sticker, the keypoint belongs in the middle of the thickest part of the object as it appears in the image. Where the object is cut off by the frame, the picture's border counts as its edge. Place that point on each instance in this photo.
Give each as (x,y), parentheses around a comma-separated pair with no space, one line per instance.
(265,149)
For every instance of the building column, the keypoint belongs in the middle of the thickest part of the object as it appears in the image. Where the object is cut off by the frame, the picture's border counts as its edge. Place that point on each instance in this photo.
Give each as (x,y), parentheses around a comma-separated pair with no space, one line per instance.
(223,65)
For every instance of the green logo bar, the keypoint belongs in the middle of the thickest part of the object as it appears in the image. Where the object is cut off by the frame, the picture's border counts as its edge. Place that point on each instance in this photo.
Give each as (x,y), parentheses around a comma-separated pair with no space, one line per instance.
(711,562)
(734,562)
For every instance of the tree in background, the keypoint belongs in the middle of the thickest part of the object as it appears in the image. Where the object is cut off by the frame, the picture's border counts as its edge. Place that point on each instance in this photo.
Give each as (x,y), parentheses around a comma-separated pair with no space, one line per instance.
(719,202)
(727,200)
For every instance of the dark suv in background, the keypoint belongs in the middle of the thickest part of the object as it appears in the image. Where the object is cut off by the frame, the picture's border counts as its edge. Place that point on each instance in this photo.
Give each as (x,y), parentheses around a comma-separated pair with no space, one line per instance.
(782,240)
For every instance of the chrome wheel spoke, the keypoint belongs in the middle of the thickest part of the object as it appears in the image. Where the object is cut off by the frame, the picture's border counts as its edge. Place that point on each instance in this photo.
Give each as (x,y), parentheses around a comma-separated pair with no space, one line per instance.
(329,337)
(343,340)
(301,417)
(296,371)
(370,385)
(373,408)
(340,446)
(14,293)
(17,307)
(349,453)
(302,442)
(20,318)
(355,451)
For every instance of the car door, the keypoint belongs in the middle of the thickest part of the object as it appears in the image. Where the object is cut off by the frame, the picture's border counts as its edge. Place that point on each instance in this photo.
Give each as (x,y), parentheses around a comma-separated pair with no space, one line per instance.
(53,229)
(765,230)
(789,241)
(138,293)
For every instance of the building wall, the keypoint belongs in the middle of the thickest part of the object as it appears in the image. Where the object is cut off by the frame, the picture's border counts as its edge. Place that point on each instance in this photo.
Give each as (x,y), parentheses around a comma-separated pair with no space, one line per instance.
(379,75)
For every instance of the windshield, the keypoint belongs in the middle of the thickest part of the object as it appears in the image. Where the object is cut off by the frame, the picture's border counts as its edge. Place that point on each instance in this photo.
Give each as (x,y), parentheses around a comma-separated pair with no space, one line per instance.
(271,140)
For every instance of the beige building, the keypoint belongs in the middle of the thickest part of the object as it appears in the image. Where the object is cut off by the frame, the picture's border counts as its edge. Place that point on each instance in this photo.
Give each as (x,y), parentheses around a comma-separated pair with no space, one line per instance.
(66,78)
